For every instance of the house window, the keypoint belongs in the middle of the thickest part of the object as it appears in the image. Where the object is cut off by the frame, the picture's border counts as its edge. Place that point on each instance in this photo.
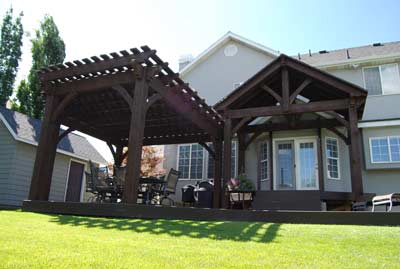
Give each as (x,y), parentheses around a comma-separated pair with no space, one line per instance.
(264,161)
(384,79)
(190,161)
(385,149)
(210,166)
(332,158)
(233,160)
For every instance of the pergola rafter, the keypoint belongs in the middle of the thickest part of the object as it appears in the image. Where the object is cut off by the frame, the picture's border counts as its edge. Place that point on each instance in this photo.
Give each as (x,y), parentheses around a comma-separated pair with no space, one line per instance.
(131,98)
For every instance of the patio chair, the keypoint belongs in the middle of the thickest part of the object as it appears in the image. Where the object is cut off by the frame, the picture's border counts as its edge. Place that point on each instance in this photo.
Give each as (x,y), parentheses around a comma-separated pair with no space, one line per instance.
(388,199)
(168,188)
(100,184)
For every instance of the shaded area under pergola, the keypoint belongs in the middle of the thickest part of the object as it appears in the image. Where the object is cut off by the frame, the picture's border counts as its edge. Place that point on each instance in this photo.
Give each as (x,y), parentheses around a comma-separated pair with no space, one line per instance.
(282,93)
(131,98)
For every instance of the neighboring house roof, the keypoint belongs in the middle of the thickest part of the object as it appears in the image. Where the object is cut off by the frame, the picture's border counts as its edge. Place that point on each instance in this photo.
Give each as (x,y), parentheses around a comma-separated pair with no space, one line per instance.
(27,130)
(352,55)
(229,36)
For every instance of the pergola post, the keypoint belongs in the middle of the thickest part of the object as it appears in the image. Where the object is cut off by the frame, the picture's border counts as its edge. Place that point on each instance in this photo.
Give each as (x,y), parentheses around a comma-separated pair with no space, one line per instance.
(135,143)
(355,153)
(217,172)
(227,155)
(242,152)
(45,153)
(320,162)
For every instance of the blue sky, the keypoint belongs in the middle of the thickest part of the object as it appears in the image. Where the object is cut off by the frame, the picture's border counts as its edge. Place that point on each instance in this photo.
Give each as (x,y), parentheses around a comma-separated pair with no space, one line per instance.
(91,27)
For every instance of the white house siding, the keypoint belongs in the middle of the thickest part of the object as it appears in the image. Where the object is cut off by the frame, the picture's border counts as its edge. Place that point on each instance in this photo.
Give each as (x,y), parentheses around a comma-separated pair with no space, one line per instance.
(7,152)
(380,178)
(16,167)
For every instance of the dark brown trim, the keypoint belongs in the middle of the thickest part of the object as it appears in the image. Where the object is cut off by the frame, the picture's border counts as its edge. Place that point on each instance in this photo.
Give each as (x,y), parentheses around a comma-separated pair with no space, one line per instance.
(271,160)
(320,158)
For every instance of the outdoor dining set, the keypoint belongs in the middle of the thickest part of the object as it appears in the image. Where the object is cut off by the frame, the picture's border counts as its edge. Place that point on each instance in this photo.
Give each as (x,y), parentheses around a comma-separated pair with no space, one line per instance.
(107,187)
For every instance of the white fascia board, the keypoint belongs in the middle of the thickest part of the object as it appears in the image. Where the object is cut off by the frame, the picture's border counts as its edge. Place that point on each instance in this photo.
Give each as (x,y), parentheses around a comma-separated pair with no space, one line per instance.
(221,42)
(363,60)
(27,141)
(381,123)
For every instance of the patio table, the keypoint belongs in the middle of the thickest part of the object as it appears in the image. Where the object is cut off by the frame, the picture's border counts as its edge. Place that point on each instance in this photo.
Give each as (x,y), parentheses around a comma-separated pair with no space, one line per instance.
(150,183)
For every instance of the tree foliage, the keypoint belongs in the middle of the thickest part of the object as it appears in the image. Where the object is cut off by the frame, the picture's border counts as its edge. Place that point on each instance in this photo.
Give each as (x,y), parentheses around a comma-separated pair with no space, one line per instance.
(151,162)
(48,48)
(10,53)
(22,101)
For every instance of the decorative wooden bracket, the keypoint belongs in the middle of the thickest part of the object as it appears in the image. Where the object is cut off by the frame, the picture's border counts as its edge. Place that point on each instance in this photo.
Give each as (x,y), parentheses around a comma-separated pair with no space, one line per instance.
(208,148)
(152,99)
(60,108)
(299,89)
(340,134)
(252,138)
(64,134)
(124,94)
(240,124)
(272,92)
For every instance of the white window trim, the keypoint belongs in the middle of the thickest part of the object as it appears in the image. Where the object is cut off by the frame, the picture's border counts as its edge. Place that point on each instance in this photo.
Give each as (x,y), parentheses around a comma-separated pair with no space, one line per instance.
(389,150)
(380,75)
(266,160)
(338,157)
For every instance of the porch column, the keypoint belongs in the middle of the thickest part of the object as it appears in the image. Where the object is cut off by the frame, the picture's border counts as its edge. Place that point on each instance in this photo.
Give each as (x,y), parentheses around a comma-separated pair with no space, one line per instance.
(271,161)
(217,172)
(136,132)
(355,154)
(227,157)
(320,162)
(242,153)
(45,153)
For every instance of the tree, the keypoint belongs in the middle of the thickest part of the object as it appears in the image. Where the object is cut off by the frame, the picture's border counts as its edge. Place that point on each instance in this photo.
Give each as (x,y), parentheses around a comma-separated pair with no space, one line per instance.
(48,48)
(151,162)
(22,101)
(10,53)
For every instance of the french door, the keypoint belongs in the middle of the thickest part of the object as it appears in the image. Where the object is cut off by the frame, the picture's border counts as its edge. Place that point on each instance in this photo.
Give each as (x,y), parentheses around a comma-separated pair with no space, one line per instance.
(296,164)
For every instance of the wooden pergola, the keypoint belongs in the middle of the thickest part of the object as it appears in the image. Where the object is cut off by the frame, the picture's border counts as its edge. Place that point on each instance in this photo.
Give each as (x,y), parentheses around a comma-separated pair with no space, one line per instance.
(131,98)
(288,88)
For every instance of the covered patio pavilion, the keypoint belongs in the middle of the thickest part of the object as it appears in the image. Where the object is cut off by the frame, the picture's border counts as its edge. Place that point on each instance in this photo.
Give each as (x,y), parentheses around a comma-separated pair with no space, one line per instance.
(290,95)
(127,99)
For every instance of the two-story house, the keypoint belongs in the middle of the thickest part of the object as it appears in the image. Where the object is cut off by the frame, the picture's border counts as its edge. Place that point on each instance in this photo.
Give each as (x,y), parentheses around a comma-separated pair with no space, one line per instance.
(232,60)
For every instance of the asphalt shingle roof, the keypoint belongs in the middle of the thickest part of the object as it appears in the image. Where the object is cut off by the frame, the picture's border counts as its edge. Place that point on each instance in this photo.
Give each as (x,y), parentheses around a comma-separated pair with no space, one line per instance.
(28,128)
(332,56)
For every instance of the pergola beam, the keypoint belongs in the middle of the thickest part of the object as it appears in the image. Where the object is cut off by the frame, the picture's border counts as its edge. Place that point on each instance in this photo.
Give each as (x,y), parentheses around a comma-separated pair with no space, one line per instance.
(319,106)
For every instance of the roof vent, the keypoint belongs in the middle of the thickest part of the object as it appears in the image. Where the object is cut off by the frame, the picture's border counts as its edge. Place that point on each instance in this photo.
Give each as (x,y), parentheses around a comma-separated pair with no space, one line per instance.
(377,44)
(323,51)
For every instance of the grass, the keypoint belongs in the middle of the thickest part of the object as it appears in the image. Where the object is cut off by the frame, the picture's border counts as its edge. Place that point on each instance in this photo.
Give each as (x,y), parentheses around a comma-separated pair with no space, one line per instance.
(29,240)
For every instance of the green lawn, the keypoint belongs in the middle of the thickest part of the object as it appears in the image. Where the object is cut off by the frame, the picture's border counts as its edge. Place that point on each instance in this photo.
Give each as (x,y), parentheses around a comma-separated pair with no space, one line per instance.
(29,240)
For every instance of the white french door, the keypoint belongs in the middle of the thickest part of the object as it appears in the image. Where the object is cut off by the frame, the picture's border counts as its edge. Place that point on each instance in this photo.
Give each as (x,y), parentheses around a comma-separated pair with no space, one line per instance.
(296,164)
(307,164)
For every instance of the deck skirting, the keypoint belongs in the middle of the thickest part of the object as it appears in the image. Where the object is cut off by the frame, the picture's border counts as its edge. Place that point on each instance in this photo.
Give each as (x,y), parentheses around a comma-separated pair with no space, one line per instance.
(205,214)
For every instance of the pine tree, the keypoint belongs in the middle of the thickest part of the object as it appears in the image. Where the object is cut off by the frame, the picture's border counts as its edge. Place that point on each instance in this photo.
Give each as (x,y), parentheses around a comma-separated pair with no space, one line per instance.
(10,53)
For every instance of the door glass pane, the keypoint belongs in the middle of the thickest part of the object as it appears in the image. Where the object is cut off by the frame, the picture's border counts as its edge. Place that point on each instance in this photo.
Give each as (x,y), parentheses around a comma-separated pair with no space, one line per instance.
(285,165)
(307,164)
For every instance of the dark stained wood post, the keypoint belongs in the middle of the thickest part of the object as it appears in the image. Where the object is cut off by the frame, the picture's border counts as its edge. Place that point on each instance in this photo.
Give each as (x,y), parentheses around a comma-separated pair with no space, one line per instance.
(227,156)
(45,153)
(320,162)
(242,153)
(135,143)
(355,153)
(217,173)
(285,89)
(271,161)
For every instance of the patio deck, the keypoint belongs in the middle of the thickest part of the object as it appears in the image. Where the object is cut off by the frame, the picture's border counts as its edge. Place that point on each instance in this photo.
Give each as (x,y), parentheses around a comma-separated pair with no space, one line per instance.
(206,214)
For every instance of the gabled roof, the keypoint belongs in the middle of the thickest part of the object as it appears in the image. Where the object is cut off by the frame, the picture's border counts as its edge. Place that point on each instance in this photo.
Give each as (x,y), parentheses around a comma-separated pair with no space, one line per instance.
(229,36)
(324,86)
(26,129)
